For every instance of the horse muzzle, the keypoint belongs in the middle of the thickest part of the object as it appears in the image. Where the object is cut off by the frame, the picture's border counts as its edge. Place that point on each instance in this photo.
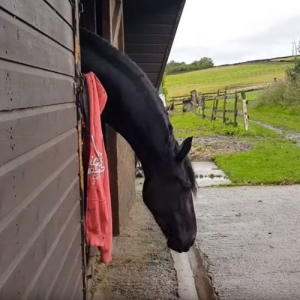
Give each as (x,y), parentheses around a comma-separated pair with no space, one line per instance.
(180,246)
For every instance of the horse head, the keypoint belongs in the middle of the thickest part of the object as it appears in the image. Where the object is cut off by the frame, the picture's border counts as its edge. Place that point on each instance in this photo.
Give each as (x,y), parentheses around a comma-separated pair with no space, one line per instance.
(168,193)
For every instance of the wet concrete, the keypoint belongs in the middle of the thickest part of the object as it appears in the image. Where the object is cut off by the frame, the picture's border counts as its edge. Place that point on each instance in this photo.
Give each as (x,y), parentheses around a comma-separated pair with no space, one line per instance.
(247,246)
(185,277)
(208,174)
(191,268)
(139,184)
(182,266)
(249,237)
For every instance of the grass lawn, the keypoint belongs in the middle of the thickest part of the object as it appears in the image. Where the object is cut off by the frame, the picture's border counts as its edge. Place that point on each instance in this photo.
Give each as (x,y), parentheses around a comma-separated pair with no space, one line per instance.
(272,160)
(189,124)
(276,116)
(236,77)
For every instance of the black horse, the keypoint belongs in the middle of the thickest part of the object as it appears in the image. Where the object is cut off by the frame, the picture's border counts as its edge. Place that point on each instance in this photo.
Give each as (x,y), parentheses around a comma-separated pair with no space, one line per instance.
(135,110)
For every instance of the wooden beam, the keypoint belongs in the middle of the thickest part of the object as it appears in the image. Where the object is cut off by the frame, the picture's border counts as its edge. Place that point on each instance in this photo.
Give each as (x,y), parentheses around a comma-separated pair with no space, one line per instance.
(150,67)
(146,48)
(146,57)
(117,21)
(147,38)
(121,42)
(178,16)
(141,28)
(152,76)
(121,171)
(106,20)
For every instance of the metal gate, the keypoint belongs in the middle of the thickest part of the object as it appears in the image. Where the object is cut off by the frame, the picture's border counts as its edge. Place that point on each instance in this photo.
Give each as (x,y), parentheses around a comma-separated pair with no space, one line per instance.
(40,228)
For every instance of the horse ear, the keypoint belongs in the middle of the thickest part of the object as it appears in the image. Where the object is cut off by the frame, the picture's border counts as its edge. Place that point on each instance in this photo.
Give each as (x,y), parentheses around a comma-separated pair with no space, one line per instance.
(184,149)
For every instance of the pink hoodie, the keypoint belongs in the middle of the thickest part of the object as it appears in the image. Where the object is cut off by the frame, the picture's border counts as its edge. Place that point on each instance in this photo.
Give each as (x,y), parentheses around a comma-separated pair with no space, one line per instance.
(98,221)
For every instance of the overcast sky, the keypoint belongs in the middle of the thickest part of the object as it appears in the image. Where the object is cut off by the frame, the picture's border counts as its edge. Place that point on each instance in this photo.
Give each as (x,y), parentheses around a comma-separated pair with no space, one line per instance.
(233,31)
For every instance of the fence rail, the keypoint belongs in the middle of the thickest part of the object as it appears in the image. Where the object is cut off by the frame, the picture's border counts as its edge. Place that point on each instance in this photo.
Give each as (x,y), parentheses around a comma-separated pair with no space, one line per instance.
(197,102)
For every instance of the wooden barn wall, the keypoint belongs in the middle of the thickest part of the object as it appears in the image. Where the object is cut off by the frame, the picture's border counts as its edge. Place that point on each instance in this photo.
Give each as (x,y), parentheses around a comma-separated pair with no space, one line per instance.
(40,240)
(150,27)
(120,155)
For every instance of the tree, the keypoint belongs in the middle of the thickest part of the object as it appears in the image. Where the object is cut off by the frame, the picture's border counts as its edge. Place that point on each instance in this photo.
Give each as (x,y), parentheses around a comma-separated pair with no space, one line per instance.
(164,88)
(174,67)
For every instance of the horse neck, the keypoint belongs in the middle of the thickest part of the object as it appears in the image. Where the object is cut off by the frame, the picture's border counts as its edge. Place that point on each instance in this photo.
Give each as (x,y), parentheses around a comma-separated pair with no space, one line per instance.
(148,133)
(134,108)
(146,126)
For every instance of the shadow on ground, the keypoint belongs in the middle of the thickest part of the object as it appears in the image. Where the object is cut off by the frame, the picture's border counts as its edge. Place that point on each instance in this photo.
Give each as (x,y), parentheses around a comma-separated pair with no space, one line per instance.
(142,266)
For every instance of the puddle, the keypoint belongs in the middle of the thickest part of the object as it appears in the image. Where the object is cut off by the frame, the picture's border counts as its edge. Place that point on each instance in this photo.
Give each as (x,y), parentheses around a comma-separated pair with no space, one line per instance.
(139,184)
(208,174)
(207,181)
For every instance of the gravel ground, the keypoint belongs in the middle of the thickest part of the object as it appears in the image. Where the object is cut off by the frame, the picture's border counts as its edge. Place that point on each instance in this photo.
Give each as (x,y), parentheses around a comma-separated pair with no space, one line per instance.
(204,147)
(142,266)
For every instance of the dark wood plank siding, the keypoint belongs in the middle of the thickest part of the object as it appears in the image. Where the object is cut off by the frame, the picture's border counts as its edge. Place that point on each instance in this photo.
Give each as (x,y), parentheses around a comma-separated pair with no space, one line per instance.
(63,8)
(42,17)
(22,44)
(40,229)
(24,86)
(22,131)
(149,32)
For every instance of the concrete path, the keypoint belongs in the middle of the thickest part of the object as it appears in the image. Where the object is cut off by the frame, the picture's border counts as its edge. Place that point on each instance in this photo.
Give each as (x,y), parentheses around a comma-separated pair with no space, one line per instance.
(250,238)
(248,242)
(182,266)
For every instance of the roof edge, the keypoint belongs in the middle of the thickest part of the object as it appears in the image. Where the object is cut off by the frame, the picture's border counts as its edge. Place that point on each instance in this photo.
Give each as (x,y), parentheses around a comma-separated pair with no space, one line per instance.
(170,44)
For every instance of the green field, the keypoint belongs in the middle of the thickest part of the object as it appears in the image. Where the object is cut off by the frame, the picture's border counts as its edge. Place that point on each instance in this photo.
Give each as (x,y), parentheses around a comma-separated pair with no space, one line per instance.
(188,124)
(236,77)
(272,159)
(277,116)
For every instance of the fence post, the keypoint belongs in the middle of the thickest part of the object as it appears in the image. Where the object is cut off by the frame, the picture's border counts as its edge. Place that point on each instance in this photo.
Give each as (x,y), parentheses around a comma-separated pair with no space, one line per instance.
(243,94)
(235,108)
(199,104)
(224,106)
(194,99)
(203,106)
(217,106)
(213,109)
(245,111)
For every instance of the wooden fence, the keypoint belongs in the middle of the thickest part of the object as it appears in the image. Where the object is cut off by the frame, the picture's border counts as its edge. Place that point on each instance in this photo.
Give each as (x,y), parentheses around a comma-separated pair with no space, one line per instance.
(220,105)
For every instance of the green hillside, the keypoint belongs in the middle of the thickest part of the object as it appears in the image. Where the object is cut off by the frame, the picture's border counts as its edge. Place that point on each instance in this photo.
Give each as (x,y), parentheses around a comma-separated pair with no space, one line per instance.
(235,76)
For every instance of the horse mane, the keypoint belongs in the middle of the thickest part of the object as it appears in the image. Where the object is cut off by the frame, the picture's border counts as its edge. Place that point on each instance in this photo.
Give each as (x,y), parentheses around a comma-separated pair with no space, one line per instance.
(119,59)
(191,174)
